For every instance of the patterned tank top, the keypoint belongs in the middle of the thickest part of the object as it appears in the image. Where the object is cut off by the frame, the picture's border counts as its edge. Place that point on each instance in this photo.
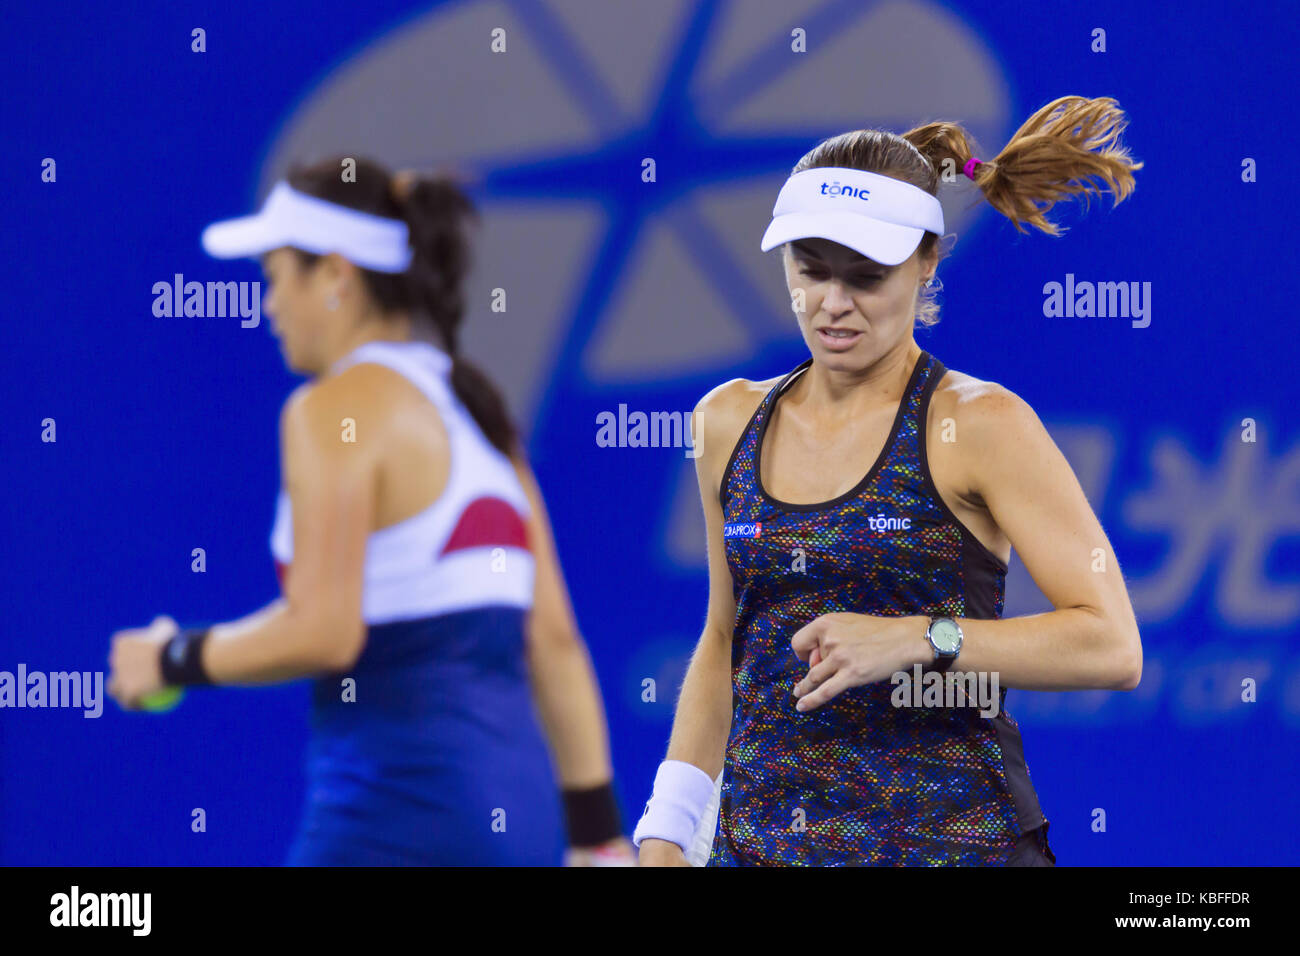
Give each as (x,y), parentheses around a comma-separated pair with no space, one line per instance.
(858,781)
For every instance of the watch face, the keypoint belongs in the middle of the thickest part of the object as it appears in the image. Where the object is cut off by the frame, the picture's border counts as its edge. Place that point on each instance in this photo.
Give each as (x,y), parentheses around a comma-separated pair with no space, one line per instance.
(943,634)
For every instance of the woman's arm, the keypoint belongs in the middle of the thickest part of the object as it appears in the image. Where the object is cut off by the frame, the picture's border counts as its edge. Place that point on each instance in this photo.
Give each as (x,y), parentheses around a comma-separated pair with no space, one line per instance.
(703,717)
(1091,640)
(1005,458)
(563,680)
(316,627)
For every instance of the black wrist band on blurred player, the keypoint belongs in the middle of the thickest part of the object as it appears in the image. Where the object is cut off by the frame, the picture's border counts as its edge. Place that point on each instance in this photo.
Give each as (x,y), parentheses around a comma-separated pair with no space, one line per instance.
(592,816)
(182,660)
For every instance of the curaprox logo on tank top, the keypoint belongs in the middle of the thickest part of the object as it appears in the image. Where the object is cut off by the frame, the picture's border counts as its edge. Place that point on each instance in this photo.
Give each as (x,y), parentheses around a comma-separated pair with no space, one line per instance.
(742,529)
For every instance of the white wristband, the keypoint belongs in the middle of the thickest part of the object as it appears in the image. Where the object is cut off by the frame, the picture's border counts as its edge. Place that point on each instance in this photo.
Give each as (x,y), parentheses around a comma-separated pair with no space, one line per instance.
(702,848)
(682,792)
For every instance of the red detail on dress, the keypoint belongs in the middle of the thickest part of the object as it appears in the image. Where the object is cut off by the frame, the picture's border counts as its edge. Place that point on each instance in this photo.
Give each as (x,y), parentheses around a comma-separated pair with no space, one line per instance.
(487,523)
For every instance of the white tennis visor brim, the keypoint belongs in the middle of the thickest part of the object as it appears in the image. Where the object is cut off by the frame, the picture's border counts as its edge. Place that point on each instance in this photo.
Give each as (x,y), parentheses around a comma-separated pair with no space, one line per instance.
(877,216)
(882,242)
(291,218)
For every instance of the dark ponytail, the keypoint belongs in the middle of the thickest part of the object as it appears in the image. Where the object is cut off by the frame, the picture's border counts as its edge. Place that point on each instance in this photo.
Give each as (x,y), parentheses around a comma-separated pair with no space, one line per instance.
(436,212)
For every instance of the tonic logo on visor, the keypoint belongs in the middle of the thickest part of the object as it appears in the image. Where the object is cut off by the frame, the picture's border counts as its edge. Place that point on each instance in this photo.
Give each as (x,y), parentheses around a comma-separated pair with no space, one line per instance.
(835,189)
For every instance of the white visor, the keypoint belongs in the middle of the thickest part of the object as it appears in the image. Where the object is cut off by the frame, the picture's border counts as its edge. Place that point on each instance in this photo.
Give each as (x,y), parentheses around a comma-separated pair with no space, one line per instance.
(292,218)
(881,217)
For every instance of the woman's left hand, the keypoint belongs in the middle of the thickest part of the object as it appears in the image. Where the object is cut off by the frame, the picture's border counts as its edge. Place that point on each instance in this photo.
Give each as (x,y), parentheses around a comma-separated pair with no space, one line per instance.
(135,661)
(846,650)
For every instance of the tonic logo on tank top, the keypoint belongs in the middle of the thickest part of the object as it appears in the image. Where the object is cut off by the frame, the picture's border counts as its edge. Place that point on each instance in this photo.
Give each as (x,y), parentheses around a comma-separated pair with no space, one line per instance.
(857,780)
(881,523)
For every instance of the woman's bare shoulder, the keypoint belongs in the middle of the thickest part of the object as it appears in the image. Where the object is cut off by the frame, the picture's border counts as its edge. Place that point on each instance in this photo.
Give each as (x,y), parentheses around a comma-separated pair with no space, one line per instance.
(958,391)
(729,406)
(721,415)
(980,408)
(375,396)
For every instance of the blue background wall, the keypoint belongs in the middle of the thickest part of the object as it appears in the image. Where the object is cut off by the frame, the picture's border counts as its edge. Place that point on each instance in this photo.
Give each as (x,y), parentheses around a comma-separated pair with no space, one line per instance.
(167,427)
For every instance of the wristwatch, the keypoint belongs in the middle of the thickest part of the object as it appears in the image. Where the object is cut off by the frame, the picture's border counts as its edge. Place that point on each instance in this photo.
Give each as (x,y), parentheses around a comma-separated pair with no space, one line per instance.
(945,637)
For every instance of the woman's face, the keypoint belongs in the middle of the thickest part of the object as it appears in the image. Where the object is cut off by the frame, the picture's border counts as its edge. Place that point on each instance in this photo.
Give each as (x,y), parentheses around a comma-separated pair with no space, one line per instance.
(295,301)
(854,309)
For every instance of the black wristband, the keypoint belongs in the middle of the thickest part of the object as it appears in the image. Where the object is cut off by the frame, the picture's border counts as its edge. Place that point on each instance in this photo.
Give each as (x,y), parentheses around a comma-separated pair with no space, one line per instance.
(592,815)
(182,660)
(939,665)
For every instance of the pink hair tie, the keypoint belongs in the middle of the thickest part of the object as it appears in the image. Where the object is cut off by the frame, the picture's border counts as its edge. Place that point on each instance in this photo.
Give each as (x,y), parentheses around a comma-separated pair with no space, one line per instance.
(969,168)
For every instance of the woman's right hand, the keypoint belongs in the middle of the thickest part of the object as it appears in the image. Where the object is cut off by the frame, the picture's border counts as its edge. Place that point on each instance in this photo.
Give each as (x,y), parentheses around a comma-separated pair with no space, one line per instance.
(661,853)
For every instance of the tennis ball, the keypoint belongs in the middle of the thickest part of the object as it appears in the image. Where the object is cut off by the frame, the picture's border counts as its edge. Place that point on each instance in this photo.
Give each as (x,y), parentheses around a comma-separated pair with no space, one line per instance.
(162,701)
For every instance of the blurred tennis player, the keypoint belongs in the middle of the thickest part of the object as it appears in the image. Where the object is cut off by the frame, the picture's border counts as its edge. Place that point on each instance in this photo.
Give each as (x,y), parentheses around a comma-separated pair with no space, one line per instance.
(420,581)
(860,512)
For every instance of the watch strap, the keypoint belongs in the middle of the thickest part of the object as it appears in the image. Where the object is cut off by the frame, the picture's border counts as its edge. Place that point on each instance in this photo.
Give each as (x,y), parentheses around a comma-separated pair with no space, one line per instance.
(941,661)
